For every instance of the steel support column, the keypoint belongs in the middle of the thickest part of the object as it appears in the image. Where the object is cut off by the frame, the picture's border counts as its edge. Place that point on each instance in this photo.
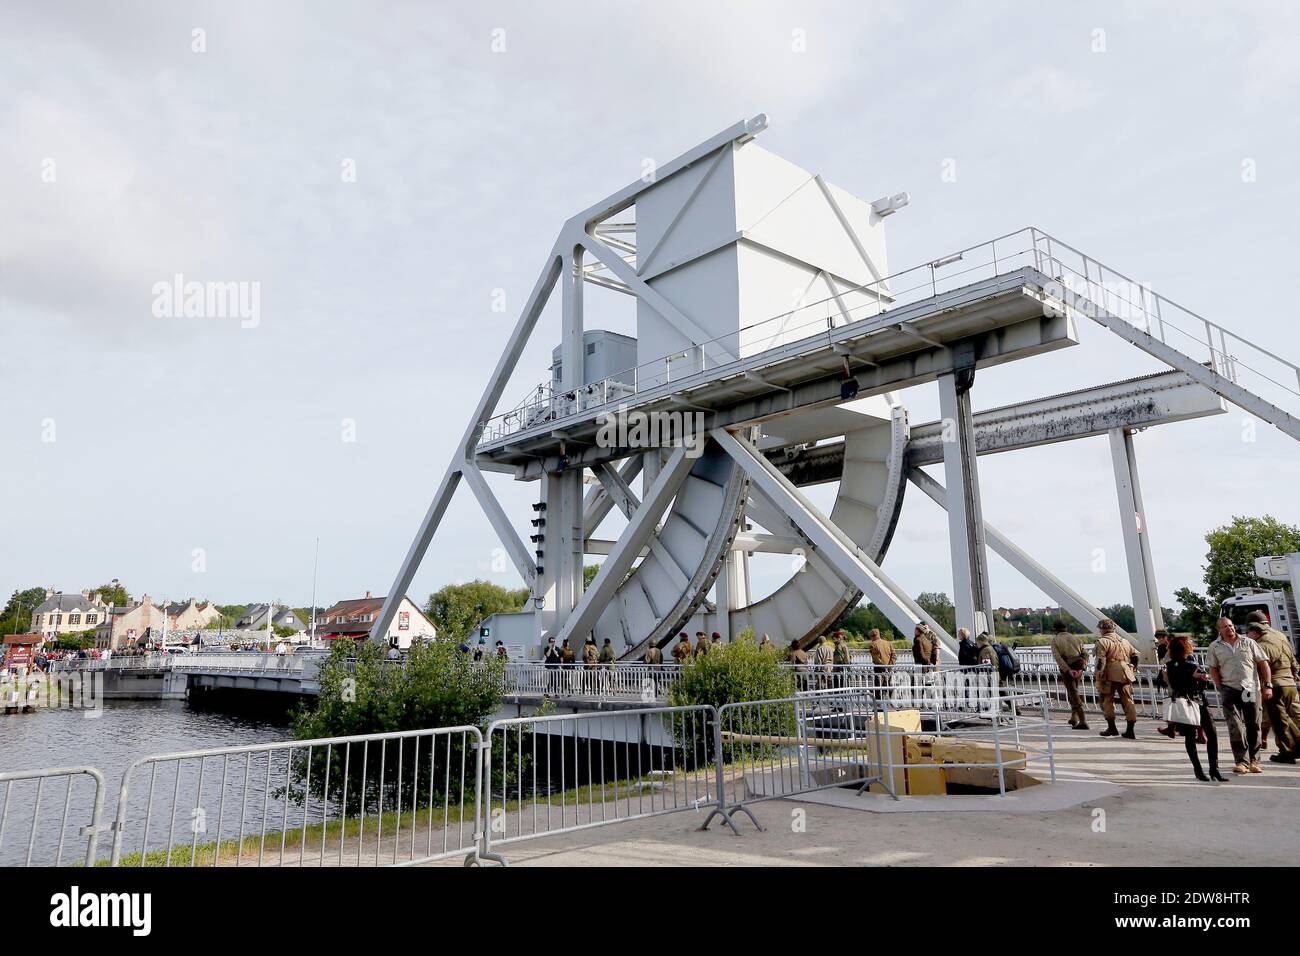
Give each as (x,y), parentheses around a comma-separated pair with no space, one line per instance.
(971,593)
(1004,547)
(1137,543)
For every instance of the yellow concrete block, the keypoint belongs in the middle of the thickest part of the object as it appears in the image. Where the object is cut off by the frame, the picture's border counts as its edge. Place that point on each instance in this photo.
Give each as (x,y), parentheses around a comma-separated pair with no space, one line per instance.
(919,750)
(901,723)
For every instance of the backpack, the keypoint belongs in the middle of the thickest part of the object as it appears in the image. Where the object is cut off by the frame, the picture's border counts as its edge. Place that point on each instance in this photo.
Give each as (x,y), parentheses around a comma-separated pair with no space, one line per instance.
(1008,663)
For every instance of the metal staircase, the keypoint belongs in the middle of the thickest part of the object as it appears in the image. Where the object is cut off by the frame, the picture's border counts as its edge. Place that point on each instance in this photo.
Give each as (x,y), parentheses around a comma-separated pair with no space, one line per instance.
(1253,378)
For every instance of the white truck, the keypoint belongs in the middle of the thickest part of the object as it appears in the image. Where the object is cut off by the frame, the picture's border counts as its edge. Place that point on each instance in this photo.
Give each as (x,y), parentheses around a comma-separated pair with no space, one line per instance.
(1279,604)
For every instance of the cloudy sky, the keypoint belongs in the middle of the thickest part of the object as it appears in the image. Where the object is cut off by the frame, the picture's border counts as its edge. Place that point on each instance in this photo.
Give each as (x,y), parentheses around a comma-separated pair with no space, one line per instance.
(381,170)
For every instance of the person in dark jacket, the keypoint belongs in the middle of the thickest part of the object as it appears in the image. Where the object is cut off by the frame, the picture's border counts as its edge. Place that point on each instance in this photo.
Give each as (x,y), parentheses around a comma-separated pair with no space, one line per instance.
(1187,681)
(552,659)
(968,652)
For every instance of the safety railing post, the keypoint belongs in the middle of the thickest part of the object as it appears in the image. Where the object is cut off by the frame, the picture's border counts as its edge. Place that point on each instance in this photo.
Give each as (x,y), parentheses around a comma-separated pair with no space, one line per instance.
(997,746)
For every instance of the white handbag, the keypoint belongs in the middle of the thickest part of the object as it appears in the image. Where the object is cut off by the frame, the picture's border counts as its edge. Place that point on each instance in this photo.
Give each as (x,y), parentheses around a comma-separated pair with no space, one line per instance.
(1182,710)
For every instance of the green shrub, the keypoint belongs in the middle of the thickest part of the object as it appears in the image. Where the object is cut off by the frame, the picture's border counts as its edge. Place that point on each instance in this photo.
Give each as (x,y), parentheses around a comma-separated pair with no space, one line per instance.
(434,686)
(735,673)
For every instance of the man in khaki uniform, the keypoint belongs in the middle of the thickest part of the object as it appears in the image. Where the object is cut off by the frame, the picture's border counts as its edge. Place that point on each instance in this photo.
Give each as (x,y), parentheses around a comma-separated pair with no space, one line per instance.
(1282,667)
(1067,650)
(925,646)
(682,649)
(701,644)
(1114,675)
(882,651)
(824,661)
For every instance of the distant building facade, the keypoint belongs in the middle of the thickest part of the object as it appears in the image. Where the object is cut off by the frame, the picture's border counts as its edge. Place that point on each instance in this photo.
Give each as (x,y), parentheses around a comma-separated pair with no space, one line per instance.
(354,619)
(191,615)
(142,622)
(62,613)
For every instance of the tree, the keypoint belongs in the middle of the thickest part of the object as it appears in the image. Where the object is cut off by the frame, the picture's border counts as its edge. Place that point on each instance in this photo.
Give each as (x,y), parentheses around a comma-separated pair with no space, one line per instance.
(1230,562)
(1123,616)
(1198,616)
(939,607)
(457,608)
(589,572)
(17,615)
(864,617)
(113,593)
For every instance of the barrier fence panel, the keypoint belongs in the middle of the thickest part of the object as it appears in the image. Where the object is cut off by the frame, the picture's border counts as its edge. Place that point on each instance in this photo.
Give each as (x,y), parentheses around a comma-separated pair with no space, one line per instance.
(773,749)
(395,798)
(42,807)
(558,773)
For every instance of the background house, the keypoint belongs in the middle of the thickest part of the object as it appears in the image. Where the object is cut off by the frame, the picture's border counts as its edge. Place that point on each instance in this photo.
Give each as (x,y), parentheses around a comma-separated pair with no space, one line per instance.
(62,613)
(124,626)
(354,619)
(191,615)
(254,618)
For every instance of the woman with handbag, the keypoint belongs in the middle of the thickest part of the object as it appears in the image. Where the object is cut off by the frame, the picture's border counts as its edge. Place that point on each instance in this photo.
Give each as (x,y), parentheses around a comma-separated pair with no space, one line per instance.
(1186,710)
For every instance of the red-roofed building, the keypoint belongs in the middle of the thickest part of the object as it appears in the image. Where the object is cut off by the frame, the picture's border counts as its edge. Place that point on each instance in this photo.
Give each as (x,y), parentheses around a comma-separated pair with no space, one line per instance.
(355,618)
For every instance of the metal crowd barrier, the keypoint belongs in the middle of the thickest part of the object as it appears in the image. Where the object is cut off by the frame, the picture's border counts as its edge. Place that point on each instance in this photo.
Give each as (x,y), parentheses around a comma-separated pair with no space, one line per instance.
(414,795)
(417,796)
(40,830)
(623,765)
(775,749)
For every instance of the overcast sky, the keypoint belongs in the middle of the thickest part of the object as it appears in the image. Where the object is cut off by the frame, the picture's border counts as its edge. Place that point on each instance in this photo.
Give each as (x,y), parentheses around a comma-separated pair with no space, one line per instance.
(380,170)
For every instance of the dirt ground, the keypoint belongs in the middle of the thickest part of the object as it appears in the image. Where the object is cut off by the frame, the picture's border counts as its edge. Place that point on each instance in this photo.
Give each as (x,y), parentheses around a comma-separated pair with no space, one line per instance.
(1157,814)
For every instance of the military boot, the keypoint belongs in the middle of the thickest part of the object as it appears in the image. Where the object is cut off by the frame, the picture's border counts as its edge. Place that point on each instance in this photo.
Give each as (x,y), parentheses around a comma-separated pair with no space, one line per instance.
(1128,731)
(1110,730)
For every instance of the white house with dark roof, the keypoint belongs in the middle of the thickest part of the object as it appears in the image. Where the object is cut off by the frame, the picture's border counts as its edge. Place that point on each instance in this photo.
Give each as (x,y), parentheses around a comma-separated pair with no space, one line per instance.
(354,618)
(64,613)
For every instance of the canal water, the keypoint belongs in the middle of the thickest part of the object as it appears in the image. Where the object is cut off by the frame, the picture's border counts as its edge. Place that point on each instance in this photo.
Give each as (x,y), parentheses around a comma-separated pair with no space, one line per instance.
(122,732)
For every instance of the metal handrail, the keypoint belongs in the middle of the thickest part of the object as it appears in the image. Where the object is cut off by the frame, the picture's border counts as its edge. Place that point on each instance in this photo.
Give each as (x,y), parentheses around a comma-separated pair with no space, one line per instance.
(1042,251)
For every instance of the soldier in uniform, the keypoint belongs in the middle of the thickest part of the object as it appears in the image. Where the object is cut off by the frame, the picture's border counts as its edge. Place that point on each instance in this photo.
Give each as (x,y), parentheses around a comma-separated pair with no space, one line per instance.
(1114,675)
(701,644)
(682,649)
(882,651)
(590,658)
(766,644)
(567,661)
(654,657)
(925,648)
(1282,666)
(1068,652)
(824,661)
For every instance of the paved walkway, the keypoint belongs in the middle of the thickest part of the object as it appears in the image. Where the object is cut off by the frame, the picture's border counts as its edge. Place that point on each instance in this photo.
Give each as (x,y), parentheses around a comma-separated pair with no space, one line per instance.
(1159,815)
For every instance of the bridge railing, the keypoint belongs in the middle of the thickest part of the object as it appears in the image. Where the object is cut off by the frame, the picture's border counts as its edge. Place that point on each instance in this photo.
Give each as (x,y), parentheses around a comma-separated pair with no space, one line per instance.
(957,688)
(236,663)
